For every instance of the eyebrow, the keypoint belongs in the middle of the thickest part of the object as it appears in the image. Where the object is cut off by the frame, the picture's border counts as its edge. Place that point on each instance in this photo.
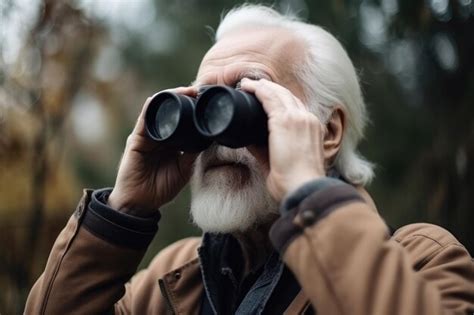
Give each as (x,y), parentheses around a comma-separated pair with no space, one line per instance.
(254,74)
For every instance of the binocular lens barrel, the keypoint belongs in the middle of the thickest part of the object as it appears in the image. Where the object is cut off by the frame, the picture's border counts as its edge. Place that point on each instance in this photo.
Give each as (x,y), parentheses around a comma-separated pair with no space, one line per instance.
(169,120)
(218,113)
(230,117)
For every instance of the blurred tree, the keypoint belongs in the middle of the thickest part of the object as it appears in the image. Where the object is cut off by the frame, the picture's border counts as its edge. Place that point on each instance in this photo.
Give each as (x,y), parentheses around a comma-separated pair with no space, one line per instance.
(38,89)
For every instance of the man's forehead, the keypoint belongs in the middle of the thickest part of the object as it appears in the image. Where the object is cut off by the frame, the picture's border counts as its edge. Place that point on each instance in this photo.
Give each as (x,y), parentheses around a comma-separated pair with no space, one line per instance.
(272,47)
(271,39)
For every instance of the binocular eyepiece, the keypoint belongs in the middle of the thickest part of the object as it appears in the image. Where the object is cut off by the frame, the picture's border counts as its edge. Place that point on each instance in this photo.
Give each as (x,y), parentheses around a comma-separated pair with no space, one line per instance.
(228,116)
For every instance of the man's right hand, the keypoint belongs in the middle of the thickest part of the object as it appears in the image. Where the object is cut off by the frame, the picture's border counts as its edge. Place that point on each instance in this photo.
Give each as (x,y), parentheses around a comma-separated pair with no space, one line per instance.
(150,175)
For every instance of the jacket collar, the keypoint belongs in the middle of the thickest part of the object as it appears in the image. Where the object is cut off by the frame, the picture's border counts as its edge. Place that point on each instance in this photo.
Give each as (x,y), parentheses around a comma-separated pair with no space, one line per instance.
(182,289)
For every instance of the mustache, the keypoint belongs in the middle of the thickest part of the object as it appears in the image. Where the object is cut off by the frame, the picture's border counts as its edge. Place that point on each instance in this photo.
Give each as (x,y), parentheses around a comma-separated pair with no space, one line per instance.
(216,155)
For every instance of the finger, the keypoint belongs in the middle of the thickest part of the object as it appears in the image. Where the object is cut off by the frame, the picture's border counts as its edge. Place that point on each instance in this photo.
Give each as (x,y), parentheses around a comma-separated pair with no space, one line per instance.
(190,91)
(301,105)
(139,128)
(273,97)
(283,91)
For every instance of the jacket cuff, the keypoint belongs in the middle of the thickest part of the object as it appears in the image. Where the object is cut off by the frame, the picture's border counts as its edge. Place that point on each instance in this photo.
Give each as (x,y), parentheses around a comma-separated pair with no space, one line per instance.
(307,205)
(293,199)
(117,227)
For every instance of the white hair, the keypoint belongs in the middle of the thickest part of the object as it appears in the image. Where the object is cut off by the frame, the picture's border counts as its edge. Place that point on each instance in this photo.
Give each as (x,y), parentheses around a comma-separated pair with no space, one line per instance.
(327,76)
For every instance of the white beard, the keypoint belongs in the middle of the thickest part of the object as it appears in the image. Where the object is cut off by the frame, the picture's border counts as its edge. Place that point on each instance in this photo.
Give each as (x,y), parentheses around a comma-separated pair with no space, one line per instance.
(227,199)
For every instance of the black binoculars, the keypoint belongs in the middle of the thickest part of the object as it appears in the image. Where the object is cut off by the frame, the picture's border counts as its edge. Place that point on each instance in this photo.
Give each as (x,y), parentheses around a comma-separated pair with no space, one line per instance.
(230,117)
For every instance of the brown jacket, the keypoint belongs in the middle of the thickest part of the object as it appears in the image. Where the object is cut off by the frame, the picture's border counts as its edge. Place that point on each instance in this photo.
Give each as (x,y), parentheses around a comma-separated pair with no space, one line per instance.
(346,263)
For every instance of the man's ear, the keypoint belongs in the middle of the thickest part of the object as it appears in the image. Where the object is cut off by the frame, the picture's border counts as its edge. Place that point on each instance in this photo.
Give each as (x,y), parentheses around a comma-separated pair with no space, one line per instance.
(333,136)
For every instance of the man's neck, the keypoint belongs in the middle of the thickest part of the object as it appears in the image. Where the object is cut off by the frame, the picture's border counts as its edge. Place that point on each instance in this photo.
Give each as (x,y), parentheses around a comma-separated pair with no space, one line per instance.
(256,246)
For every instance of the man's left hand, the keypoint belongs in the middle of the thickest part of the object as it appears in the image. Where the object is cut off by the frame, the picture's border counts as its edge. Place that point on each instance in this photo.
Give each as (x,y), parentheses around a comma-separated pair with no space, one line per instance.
(295,144)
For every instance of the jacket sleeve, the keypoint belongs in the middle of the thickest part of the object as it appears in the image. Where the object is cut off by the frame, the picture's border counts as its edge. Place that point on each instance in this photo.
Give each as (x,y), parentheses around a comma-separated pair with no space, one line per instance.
(93,257)
(343,256)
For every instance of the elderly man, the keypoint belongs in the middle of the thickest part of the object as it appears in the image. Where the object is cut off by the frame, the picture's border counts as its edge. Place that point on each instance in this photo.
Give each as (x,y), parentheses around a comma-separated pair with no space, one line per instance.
(287,227)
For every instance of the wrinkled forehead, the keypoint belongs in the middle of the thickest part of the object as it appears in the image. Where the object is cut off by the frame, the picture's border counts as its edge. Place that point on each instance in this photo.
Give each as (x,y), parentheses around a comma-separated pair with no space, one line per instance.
(272,50)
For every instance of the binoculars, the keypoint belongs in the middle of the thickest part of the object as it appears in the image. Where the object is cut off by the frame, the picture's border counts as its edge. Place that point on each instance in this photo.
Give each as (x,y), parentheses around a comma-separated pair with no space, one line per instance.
(230,117)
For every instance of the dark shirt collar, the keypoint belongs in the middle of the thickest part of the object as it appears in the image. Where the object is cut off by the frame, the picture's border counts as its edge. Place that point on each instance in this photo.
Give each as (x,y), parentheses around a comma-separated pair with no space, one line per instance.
(222,266)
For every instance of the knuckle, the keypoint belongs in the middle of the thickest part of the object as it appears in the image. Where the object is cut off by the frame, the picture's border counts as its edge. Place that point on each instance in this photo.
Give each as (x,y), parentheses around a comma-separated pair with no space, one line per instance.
(266,95)
(314,120)
(265,84)
(130,140)
(297,117)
